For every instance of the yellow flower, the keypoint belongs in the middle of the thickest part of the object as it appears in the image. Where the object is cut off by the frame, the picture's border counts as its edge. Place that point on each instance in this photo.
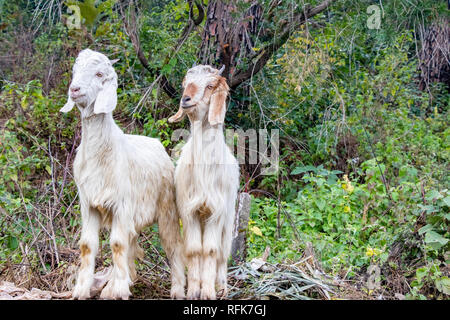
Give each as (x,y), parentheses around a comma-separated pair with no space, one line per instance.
(373,252)
(346,209)
(256,231)
(347,186)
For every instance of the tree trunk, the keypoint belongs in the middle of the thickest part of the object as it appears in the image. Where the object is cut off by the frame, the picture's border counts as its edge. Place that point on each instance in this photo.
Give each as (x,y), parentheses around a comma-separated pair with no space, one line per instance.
(227,35)
(434,56)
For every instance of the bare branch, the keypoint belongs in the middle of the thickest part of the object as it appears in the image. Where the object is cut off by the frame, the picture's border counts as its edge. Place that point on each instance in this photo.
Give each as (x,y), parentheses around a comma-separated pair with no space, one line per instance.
(130,28)
(277,42)
(201,12)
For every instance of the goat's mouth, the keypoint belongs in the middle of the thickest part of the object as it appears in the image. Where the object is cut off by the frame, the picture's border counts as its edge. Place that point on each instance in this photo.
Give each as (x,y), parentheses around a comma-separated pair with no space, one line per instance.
(188,106)
(75,98)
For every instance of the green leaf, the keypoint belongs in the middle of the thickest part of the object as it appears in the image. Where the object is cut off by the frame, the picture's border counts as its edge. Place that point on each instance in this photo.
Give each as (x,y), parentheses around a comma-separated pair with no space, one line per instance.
(426,228)
(13,243)
(428,208)
(421,272)
(446,201)
(443,285)
(435,240)
(13,177)
(304,169)
(320,203)
(166,69)
(433,195)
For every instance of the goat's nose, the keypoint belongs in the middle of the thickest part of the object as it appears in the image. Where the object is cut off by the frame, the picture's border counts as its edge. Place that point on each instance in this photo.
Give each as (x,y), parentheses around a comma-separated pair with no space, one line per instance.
(74,89)
(185,99)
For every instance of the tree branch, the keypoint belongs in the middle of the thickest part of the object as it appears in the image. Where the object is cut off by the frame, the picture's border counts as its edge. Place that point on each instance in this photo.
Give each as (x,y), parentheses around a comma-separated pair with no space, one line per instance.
(156,72)
(277,42)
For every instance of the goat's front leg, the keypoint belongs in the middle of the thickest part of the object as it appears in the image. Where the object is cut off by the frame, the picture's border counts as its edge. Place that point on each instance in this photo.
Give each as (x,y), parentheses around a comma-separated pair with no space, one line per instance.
(212,236)
(88,247)
(193,248)
(122,232)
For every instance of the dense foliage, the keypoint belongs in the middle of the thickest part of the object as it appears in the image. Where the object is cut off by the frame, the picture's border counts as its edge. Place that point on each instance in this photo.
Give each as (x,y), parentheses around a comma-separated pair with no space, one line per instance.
(363,176)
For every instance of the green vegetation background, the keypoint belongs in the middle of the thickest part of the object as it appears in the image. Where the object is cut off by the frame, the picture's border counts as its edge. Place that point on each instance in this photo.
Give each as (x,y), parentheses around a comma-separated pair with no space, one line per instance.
(363,158)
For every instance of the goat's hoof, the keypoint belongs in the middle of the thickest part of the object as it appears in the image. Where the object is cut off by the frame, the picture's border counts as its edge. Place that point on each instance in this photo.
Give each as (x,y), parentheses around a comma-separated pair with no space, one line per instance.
(208,294)
(193,293)
(177,292)
(81,293)
(116,289)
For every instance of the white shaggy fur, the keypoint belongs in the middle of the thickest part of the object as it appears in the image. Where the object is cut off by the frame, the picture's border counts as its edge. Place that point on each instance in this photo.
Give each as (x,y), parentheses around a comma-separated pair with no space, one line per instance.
(206,181)
(125,183)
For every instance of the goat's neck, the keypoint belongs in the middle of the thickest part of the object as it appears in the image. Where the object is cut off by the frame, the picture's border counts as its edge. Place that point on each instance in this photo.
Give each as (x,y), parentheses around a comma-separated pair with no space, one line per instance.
(203,132)
(98,130)
(207,144)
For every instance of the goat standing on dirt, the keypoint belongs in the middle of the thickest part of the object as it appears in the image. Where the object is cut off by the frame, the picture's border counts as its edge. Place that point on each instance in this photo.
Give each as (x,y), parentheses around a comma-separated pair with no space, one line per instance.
(206,181)
(125,182)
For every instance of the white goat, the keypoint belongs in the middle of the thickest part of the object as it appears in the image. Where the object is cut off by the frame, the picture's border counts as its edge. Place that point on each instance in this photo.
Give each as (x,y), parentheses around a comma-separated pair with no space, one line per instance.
(206,182)
(125,183)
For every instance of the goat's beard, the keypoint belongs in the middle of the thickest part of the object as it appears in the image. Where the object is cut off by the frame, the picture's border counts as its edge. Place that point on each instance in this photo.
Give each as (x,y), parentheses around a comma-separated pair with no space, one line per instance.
(86,106)
(88,97)
(198,111)
(85,101)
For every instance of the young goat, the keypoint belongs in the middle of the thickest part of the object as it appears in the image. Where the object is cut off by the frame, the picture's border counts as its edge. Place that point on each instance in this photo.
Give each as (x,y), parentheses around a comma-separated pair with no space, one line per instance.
(206,181)
(125,182)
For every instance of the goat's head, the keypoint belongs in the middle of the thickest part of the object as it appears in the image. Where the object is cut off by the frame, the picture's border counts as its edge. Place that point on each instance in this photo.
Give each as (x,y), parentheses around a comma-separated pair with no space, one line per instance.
(204,94)
(94,81)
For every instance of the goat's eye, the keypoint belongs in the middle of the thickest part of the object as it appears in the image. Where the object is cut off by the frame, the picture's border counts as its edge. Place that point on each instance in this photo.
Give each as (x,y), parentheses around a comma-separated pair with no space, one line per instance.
(99,74)
(210,86)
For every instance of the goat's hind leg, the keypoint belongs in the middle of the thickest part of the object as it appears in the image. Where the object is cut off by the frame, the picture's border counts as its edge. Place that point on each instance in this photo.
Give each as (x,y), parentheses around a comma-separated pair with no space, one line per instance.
(169,233)
(225,250)
(88,247)
(222,260)
(134,253)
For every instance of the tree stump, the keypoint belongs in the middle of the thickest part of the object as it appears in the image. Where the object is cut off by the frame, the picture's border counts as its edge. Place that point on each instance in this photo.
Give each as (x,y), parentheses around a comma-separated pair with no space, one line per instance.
(239,244)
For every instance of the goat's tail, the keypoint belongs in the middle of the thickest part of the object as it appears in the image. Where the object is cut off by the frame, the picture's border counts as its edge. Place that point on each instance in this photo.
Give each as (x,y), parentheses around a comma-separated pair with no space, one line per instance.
(169,232)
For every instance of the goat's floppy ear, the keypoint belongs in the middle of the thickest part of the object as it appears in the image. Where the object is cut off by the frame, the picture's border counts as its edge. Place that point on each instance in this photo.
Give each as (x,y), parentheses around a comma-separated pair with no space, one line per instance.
(69,104)
(178,116)
(218,105)
(107,97)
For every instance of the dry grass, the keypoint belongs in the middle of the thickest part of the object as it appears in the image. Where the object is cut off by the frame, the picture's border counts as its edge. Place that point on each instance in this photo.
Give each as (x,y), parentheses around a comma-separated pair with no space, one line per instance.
(256,279)
(273,281)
